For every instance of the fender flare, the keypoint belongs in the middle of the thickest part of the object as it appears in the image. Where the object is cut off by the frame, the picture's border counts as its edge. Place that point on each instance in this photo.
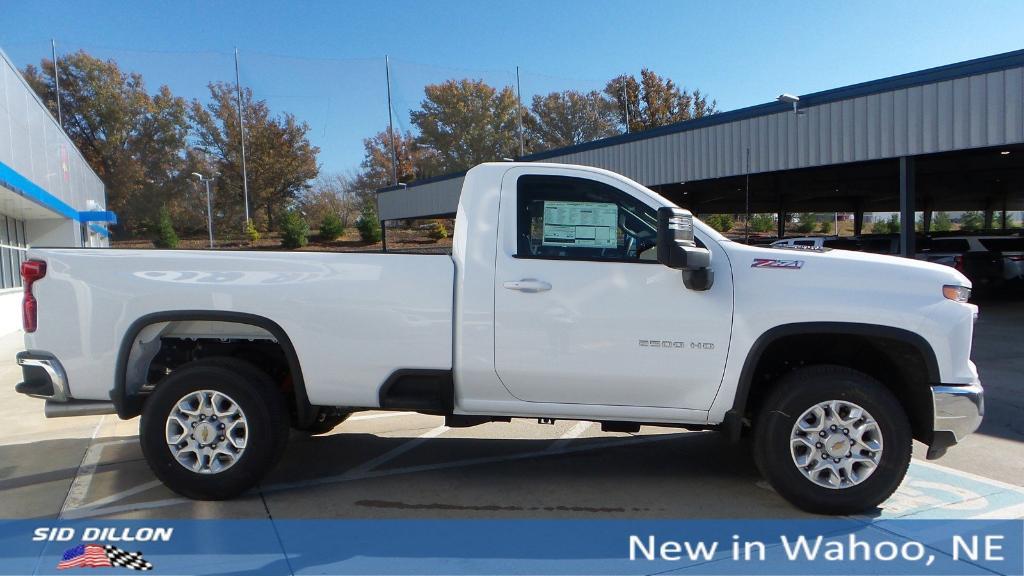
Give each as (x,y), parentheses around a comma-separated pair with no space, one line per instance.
(128,406)
(733,422)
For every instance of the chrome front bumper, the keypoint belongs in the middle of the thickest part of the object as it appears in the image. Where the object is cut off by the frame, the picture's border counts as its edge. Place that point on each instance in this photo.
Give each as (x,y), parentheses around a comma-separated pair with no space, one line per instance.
(958,411)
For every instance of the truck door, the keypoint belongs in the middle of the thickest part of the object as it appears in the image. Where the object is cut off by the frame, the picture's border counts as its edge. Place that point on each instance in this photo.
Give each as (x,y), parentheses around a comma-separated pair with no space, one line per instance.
(584,314)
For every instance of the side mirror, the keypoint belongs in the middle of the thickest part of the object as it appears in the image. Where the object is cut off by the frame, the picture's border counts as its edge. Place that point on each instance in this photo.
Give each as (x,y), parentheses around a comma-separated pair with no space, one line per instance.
(678,249)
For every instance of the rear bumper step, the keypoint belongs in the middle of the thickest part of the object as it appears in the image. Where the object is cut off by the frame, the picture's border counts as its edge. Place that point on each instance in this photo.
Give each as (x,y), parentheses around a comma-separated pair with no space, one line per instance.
(77,408)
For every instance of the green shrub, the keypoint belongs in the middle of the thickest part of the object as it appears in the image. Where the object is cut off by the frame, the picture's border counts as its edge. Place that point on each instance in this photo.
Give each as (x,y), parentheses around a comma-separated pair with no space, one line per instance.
(941,222)
(892,226)
(761,222)
(438,231)
(294,230)
(721,222)
(368,225)
(165,236)
(251,232)
(971,221)
(825,227)
(331,227)
(806,223)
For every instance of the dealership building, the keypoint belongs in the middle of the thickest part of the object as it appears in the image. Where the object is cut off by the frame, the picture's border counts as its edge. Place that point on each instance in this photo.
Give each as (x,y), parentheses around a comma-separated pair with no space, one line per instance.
(49,196)
(949,138)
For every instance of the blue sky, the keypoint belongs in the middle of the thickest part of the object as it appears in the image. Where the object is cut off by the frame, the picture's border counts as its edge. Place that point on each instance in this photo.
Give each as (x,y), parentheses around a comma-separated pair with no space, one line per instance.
(323,61)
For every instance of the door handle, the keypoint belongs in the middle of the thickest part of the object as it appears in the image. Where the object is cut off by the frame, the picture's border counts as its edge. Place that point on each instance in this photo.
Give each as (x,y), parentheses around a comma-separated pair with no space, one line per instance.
(529,285)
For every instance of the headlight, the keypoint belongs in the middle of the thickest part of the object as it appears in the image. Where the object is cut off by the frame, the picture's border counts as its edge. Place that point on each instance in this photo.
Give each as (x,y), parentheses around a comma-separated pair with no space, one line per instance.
(956,293)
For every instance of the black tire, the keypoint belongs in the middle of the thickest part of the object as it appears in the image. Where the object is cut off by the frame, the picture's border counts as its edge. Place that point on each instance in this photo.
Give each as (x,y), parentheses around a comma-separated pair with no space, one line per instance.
(259,399)
(798,391)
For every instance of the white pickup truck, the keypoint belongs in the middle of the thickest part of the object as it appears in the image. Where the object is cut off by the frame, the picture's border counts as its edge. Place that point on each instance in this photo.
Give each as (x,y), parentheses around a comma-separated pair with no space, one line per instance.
(571,293)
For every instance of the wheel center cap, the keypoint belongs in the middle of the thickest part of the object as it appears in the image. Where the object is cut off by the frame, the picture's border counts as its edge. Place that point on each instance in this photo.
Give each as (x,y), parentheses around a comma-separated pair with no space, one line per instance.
(837,445)
(205,433)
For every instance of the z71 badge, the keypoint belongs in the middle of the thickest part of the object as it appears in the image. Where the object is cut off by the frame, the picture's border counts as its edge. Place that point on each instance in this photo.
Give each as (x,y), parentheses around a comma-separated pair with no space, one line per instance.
(776,263)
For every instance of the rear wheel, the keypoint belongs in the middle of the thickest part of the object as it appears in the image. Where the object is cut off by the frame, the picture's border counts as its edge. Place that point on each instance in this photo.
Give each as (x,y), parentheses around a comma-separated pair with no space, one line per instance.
(213,428)
(832,440)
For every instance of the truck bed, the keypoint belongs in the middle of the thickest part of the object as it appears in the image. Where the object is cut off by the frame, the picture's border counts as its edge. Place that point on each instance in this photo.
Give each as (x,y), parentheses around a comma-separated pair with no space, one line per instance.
(352,318)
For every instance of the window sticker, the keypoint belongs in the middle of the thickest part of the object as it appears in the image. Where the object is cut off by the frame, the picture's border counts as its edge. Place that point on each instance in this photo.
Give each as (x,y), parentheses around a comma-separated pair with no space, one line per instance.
(581,224)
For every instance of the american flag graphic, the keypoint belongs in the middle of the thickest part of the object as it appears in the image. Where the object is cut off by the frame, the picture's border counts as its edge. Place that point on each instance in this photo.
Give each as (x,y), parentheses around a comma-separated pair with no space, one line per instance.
(85,556)
(102,556)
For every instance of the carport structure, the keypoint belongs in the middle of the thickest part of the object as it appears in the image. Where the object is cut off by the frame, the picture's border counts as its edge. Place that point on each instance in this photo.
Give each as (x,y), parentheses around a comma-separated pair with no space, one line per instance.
(943,139)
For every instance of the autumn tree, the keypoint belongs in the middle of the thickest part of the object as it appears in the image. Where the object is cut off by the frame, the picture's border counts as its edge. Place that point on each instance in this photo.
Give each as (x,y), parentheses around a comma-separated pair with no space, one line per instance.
(654,101)
(415,161)
(280,159)
(466,122)
(132,139)
(338,194)
(571,117)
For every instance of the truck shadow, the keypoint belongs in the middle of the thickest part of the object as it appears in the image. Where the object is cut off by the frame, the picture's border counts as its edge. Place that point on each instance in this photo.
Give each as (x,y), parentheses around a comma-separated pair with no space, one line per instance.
(667,476)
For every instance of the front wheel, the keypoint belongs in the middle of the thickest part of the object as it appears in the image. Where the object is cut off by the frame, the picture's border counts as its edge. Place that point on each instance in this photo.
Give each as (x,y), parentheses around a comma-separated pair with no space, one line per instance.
(832,440)
(213,428)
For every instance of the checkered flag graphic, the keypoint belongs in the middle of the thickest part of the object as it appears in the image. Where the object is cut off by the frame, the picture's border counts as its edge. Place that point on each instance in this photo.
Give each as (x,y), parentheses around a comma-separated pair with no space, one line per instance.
(123,559)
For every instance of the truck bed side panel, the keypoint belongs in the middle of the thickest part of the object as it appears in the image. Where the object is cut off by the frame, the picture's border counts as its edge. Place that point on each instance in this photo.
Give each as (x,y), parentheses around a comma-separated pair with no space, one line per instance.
(352,318)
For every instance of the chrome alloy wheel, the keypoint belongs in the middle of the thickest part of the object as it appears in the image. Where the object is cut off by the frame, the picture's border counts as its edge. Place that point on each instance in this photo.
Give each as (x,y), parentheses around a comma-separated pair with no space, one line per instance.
(206,431)
(836,444)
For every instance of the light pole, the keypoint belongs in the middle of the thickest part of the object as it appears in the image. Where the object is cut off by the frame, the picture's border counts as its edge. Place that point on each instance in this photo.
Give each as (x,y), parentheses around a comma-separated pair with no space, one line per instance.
(209,205)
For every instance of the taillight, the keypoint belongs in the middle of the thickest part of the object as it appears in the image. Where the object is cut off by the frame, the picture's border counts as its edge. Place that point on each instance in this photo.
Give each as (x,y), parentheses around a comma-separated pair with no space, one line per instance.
(958,263)
(31,270)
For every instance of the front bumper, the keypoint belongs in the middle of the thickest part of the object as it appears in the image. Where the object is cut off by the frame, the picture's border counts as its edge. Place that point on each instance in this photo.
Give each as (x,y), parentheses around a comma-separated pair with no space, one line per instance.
(957,411)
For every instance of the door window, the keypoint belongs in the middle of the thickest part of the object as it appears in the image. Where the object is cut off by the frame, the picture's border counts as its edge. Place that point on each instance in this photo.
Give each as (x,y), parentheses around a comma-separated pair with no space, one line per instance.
(561,217)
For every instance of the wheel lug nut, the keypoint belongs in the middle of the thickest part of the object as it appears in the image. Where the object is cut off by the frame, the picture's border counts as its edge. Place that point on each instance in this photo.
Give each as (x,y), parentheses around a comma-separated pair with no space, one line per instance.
(822,434)
(818,445)
(846,431)
(221,426)
(214,446)
(849,454)
(833,427)
(836,460)
(193,424)
(221,438)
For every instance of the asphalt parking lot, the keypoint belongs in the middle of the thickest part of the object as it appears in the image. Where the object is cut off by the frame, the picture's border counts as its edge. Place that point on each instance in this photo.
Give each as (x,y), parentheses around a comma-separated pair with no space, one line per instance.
(407,465)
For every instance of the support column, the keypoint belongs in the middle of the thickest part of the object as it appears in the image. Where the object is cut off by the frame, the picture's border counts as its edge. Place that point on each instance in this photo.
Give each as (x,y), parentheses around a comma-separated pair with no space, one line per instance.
(1003,218)
(988,214)
(781,224)
(907,192)
(858,217)
(383,235)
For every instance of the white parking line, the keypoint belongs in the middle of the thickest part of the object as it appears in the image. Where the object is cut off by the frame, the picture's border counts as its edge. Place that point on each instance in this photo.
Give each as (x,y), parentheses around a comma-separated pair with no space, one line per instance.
(379,415)
(83,477)
(397,451)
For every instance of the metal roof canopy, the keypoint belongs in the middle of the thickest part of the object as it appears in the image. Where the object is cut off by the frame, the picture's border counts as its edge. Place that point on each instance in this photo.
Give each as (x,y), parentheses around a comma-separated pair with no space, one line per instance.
(963,106)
